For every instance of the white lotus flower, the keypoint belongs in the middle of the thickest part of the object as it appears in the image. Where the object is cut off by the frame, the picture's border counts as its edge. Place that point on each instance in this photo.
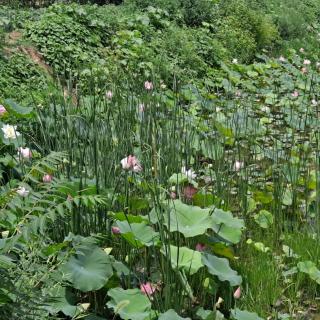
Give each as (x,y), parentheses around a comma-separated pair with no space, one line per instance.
(10,132)
(23,192)
(189,173)
(238,165)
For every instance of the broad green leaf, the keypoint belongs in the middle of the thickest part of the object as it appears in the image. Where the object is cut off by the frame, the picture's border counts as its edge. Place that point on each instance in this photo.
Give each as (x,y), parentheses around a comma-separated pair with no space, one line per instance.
(129,304)
(287,197)
(138,234)
(220,267)
(171,315)
(184,258)
(178,178)
(264,219)
(226,226)
(191,221)
(237,314)
(61,299)
(311,269)
(16,109)
(89,270)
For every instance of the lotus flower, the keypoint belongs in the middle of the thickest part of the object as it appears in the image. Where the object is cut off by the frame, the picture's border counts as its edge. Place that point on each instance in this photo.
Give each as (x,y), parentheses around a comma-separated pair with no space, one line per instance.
(234,61)
(25,153)
(148,85)
(282,59)
(23,192)
(301,50)
(219,302)
(115,230)
(47,178)
(238,165)
(189,192)
(109,94)
(295,94)
(3,110)
(237,293)
(10,132)
(189,173)
(306,62)
(131,163)
(200,247)
(148,288)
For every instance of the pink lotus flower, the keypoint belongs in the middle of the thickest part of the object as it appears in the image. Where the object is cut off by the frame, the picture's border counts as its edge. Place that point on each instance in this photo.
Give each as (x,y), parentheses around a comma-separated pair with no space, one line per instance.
(301,50)
(200,247)
(109,94)
(295,94)
(115,230)
(282,59)
(304,70)
(237,293)
(131,163)
(3,110)
(148,288)
(173,195)
(306,62)
(47,178)
(25,153)
(148,85)
(189,192)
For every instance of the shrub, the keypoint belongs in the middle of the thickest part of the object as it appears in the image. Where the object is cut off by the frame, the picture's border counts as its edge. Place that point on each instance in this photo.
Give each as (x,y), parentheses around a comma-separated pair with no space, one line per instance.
(65,44)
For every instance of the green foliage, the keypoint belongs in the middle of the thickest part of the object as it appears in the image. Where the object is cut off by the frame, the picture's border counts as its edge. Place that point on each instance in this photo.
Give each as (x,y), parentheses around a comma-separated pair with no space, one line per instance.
(65,44)
(22,79)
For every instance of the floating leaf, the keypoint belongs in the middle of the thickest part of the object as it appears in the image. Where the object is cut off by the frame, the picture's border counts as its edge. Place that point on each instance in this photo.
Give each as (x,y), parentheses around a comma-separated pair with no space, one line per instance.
(184,258)
(171,315)
(220,267)
(129,304)
(237,314)
(89,270)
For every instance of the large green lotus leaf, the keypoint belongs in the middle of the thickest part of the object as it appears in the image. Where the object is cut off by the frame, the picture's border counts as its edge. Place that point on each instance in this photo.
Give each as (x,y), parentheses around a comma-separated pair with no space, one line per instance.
(171,315)
(178,178)
(311,269)
(129,304)
(264,219)
(184,258)
(138,234)
(237,314)
(227,226)
(191,221)
(220,267)
(89,270)
(60,299)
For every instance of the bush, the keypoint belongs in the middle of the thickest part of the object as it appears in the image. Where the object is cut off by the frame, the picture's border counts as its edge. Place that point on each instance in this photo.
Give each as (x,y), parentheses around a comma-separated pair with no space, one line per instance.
(244,30)
(65,44)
